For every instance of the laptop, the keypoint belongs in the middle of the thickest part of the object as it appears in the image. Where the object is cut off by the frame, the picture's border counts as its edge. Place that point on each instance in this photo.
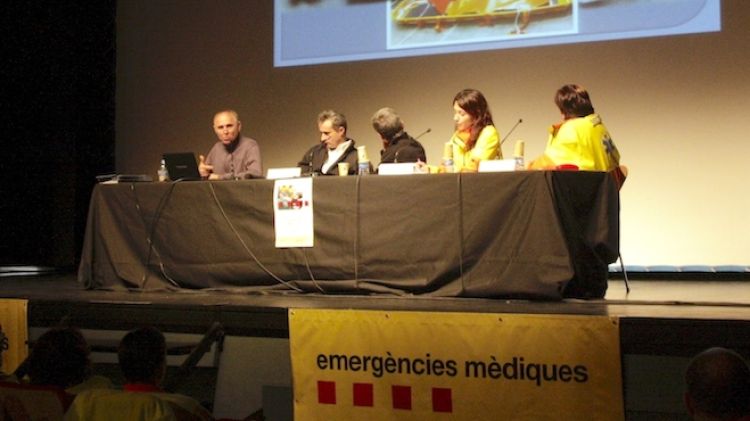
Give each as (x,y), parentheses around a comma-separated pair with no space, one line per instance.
(182,166)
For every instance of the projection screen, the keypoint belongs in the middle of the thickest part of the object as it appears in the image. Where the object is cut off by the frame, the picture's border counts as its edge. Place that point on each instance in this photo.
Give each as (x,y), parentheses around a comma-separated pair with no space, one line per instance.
(327,31)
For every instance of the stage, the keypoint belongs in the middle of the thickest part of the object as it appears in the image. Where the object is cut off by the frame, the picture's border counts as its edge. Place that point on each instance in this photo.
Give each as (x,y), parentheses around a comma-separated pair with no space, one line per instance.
(663,322)
(663,317)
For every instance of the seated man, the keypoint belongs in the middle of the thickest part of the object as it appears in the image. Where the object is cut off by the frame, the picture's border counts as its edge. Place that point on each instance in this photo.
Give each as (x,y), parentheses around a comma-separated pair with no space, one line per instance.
(334,147)
(233,157)
(398,146)
(581,140)
(142,355)
(718,386)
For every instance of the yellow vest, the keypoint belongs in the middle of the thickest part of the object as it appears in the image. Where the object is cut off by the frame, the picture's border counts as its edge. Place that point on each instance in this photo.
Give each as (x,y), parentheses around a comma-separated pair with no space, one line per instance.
(584,142)
(486,147)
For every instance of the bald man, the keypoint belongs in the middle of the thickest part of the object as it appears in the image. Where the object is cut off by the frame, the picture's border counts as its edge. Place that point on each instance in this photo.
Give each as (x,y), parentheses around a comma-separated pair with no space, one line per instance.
(233,157)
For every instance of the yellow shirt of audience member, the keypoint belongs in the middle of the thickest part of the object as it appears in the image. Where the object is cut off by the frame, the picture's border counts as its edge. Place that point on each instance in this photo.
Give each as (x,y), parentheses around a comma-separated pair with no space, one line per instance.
(486,147)
(584,142)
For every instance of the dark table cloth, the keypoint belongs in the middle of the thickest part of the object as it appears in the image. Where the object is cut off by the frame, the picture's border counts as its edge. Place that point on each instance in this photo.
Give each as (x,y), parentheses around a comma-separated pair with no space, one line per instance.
(537,235)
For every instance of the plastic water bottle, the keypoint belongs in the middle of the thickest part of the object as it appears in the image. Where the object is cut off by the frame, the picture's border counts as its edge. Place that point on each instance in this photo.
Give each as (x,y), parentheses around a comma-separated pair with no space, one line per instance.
(518,153)
(163,174)
(364,168)
(448,164)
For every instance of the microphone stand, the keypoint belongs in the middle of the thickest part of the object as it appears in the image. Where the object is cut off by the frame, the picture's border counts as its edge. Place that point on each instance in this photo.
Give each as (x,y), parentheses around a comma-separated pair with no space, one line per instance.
(520,120)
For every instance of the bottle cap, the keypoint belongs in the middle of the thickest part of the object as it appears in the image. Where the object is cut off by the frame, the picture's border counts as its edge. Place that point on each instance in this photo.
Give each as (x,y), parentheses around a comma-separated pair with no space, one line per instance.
(519,149)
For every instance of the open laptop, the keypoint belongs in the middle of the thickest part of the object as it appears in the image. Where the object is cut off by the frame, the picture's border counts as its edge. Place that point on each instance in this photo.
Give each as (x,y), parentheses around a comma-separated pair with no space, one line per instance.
(182,166)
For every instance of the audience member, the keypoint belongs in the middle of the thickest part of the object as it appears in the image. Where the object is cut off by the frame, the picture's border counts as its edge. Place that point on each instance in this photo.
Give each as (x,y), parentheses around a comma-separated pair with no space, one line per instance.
(334,147)
(475,138)
(142,355)
(60,357)
(4,377)
(398,146)
(718,386)
(233,156)
(581,140)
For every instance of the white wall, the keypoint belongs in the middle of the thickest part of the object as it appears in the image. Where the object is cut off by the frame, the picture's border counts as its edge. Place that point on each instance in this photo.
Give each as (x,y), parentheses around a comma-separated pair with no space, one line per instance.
(675,107)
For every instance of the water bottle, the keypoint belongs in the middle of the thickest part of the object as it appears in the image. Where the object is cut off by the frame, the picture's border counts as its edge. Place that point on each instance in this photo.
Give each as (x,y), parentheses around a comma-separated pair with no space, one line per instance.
(163,174)
(448,164)
(518,153)
(363,168)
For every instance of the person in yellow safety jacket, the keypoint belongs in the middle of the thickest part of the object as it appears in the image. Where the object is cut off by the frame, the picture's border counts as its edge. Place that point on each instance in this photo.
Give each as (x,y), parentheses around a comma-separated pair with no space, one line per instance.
(581,140)
(475,138)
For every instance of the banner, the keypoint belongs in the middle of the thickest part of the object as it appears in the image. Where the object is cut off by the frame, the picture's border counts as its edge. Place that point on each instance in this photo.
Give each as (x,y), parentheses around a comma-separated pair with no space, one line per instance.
(350,364)
(293,212)
(14,333)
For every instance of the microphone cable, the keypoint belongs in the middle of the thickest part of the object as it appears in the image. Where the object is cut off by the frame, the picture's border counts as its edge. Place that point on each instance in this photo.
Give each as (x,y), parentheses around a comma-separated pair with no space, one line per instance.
(245,246)
(151,231)
(309,271)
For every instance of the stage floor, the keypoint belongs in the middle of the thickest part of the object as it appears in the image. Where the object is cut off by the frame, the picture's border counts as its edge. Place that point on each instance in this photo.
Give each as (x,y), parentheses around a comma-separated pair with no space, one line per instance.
(657,316)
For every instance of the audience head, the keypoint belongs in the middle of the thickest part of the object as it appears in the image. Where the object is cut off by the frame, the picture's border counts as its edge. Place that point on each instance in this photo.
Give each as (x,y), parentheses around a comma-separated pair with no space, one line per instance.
(573,101)
(143,356)
(471,113)
(718,386)
(332,126)
(227,126)
(60,357)
(3,345)
(387,123)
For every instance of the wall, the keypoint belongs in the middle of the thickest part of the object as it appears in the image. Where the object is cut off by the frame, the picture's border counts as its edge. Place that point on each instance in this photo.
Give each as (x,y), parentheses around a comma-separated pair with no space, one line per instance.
(674,106)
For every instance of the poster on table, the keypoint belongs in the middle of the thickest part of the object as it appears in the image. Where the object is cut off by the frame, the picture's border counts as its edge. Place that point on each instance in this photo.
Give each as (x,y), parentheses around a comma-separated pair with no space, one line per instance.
(293,212)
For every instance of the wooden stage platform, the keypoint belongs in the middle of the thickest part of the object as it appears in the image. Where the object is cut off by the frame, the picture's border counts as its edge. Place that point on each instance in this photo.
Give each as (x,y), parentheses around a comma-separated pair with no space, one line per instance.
(658,317)
(662,324)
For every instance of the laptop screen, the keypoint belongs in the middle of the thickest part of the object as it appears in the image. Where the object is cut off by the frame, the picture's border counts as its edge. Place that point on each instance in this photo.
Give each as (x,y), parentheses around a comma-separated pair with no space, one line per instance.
(182,166)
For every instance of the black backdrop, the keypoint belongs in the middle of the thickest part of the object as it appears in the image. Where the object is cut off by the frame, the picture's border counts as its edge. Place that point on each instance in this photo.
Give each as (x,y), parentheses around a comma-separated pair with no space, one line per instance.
(58,113)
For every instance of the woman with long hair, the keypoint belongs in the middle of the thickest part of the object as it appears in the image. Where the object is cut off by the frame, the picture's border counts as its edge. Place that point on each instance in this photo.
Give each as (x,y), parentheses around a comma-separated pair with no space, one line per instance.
(475,138)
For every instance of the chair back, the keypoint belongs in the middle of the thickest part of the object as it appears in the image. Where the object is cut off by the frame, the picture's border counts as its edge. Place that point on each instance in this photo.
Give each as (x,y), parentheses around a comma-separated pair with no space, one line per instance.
(620,173)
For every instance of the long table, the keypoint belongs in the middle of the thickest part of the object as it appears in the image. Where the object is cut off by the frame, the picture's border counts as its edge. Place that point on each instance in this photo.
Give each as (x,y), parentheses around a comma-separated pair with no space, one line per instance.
(536,235)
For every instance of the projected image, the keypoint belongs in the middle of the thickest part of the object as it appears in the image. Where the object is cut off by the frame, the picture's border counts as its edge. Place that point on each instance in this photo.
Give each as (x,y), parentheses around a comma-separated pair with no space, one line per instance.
(434,22)
(326,31)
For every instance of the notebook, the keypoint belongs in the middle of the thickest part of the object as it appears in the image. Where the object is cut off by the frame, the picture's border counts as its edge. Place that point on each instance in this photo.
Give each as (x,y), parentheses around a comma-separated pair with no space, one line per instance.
(182,166)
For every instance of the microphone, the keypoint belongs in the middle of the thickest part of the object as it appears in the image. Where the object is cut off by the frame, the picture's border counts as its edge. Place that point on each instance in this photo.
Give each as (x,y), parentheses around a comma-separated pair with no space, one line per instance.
(423,133)
(307,166)
(520,120)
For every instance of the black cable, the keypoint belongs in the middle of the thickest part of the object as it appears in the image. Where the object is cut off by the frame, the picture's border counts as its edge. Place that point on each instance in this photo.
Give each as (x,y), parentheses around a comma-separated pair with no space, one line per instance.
(460,228)
(309,271)
(149,238)
(244,245)
(356,236)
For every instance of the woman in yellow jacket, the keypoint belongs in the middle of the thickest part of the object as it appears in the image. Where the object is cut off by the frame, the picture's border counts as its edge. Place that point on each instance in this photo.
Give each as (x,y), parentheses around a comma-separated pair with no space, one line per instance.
(581,140)
(475,138)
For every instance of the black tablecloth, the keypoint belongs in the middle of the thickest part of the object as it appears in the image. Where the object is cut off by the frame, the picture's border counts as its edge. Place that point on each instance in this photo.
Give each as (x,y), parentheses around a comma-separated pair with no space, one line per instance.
(544,235)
